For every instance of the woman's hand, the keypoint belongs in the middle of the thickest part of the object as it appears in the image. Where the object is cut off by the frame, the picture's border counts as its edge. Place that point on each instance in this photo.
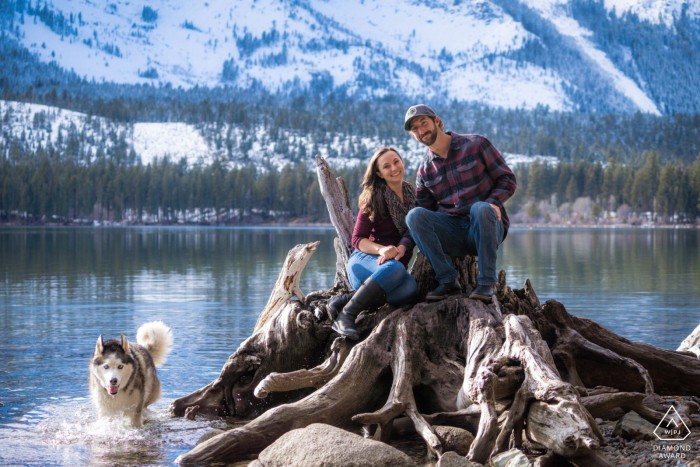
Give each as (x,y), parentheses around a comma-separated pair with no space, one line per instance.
(387,252)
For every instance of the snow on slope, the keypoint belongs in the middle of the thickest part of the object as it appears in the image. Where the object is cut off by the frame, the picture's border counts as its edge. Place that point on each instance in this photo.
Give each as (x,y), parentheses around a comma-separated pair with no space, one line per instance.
(179,140)
(377,39)
(435,47)
(34,124)
(567,26)
(654,10)
(467,32)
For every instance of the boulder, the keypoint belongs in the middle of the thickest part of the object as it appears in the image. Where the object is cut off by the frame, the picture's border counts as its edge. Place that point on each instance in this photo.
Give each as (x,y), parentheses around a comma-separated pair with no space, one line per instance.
(324,445)
(634,427)
(512,458)
(454,439)
(452,459)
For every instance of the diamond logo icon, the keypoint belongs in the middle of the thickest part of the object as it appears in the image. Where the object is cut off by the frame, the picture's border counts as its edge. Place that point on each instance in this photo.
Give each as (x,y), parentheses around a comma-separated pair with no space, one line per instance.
(672,427)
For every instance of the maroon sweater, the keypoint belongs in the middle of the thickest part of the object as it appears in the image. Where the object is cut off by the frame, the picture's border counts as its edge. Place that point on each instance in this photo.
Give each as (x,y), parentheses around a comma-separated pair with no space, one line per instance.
(384,233)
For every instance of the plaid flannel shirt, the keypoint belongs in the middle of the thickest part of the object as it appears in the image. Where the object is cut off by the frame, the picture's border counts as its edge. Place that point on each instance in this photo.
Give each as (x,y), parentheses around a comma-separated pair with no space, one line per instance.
(473,171)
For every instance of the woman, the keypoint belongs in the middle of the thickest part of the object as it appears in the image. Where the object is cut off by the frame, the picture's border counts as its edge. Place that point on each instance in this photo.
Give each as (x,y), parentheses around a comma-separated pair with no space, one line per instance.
(382,242)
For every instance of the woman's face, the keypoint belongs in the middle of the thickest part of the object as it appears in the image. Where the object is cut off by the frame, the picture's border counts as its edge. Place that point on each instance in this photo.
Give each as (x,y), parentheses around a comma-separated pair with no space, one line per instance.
(390,167)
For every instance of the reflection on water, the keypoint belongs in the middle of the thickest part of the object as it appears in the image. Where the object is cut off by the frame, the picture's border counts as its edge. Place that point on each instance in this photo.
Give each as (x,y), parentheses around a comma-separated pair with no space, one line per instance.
(62,287)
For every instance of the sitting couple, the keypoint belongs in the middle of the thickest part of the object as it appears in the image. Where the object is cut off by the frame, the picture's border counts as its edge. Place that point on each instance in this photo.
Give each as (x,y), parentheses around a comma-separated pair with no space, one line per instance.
(456,209)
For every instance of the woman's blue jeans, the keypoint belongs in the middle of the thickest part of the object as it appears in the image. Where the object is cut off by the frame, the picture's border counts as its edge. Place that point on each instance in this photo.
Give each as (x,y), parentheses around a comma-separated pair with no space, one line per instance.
(391,276)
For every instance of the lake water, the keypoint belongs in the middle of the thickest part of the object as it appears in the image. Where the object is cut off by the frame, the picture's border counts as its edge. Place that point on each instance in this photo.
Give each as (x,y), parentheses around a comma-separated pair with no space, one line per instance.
(62,287)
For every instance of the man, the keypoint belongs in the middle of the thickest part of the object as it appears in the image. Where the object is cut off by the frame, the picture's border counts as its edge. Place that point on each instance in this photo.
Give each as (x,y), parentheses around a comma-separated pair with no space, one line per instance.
(460,189)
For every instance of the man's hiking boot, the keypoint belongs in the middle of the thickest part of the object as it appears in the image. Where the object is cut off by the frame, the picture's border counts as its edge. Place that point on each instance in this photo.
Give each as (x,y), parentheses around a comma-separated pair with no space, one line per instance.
(337,303)
(370,295)
(483,293)
(444,290)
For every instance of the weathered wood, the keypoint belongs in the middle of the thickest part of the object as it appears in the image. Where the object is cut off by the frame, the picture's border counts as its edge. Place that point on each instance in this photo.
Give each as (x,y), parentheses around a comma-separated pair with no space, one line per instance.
(466,266)
(287,285)
(338,204)
(401,398)
(365,381)
(664,367)
(341,282)
(571,346)
(313,378)
(691,343)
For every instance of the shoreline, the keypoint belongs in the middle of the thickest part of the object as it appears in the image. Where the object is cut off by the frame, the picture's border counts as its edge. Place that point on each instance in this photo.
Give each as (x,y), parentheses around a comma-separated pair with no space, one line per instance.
(293,224)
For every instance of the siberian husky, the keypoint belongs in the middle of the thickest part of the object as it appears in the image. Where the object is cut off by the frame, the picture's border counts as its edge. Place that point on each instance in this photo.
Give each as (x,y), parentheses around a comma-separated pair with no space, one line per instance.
(123,377)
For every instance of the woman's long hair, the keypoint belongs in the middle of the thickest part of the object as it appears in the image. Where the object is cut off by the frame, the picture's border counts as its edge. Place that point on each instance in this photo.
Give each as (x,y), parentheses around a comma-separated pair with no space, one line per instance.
(371,200)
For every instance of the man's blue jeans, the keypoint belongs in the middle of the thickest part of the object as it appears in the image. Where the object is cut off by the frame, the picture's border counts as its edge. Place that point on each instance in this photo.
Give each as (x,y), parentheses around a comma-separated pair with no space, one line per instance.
(439,236)
(391,276)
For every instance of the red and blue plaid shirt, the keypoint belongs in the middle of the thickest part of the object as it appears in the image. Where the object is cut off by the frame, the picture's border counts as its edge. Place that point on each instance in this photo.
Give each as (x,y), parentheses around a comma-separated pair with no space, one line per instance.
(473,171)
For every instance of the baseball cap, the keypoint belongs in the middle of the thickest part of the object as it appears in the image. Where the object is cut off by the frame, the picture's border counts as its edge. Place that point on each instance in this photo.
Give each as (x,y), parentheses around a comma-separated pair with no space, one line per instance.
(417,111)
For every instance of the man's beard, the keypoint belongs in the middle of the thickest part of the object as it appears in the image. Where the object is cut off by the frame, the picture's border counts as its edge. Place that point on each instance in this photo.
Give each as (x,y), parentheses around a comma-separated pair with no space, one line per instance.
(429,138)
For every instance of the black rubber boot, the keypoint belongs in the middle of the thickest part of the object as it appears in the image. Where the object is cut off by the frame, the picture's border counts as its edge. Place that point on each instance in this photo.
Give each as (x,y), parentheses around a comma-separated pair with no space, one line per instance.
(337,303)
(370,295)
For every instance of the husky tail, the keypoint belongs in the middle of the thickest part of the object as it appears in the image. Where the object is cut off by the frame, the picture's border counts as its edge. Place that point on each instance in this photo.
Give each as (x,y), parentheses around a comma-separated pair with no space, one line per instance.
(157,339)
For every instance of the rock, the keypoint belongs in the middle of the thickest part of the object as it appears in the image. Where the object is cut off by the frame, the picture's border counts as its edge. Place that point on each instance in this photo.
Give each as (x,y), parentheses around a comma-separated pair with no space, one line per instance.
(452,459)
(634,427)
(615,414)
(2,405)
(512,458)
(210,434)
(325,445)
(255,463)
(454,439)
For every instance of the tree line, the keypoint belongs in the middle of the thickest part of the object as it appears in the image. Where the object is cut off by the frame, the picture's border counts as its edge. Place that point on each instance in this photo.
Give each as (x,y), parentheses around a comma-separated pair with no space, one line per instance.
(667,193)
(42,187)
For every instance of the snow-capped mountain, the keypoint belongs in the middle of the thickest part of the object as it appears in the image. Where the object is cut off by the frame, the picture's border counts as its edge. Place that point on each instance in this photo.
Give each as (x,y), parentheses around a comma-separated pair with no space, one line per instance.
(456,49)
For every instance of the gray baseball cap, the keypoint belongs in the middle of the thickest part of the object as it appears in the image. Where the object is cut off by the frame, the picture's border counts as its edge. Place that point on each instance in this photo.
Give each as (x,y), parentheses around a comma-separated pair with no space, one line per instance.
(417,111)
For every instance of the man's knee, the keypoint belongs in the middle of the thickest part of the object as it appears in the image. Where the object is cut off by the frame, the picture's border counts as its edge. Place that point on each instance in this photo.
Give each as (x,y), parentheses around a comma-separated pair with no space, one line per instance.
(417,217)
(483,212)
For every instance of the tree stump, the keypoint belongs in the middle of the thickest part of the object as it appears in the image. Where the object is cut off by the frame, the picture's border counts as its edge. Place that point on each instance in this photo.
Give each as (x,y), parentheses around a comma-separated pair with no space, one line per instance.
(504,370)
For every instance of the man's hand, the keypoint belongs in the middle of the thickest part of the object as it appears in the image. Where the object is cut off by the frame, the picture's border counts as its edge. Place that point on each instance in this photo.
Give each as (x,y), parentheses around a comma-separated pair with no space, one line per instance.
(498,211)
(387,252)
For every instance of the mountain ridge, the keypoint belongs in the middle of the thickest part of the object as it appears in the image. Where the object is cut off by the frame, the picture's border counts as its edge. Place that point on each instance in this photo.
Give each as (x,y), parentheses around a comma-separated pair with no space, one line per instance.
(471,51)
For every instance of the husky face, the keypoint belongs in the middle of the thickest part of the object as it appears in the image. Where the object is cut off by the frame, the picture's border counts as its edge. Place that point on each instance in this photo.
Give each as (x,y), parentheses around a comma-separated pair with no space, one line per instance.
(112,364)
